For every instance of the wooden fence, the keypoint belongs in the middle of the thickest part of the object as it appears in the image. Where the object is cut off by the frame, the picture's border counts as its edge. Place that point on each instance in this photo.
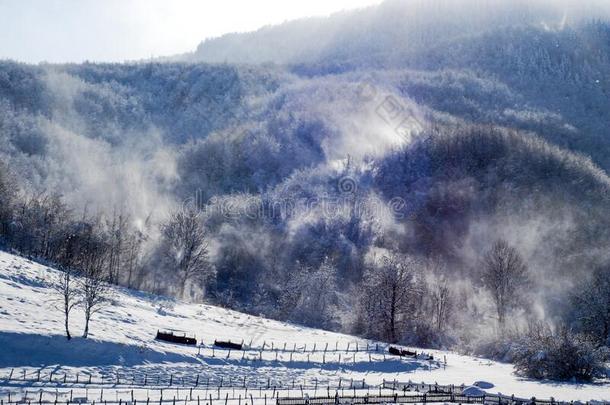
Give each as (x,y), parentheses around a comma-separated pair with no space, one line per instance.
(157,380)
(424,398)
(385,399)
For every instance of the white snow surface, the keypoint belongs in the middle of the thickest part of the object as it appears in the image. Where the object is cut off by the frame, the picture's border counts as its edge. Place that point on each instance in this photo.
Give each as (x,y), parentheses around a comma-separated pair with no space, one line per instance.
(122,337)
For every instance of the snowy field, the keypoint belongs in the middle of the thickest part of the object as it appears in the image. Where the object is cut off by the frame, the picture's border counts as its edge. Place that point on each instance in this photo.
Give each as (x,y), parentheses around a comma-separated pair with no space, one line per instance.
(121,361)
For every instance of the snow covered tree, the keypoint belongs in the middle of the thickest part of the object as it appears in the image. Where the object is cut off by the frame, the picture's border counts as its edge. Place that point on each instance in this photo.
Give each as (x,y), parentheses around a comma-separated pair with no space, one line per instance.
(505,276)
(118,233)
(389,296)
(310,296)
(134,250)
(185,247)
(442,300)
(560,355)
(591,302)
(7,199)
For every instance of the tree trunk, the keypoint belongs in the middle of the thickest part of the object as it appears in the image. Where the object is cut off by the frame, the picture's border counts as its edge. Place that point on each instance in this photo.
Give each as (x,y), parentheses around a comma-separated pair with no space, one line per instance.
(68,336)
(87,316)
(393,316)
(183,281)
(129,274)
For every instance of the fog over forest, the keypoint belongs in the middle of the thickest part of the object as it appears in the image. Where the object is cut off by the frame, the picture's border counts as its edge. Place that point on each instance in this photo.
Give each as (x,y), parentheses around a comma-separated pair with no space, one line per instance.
(412,143)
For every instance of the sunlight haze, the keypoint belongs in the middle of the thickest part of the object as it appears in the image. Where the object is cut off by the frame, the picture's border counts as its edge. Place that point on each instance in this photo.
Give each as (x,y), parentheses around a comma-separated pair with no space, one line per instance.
(118,30)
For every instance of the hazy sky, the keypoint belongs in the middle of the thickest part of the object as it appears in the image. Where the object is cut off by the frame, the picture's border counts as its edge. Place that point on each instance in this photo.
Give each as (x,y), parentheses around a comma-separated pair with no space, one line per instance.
(118,30)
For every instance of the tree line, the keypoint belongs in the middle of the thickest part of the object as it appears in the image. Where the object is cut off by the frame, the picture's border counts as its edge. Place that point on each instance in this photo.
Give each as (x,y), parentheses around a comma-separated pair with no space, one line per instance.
(95,251)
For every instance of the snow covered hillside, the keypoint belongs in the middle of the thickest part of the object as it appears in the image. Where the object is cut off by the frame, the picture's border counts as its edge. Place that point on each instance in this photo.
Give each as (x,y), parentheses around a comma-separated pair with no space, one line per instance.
(122,343)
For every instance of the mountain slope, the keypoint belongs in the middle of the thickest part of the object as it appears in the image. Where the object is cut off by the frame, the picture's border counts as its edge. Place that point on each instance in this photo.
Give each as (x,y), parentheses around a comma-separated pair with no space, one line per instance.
(552,54)
(122,338)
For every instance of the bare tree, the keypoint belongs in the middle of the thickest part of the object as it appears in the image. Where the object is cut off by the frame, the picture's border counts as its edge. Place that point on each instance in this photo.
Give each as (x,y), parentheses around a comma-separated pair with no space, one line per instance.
(8,189)
(118,234)
(310,294)
(442,299)
(66,288)
(134,255)
(389,295)
(591,301)
(94,290)
(185,246)
(505,276)
(93,283)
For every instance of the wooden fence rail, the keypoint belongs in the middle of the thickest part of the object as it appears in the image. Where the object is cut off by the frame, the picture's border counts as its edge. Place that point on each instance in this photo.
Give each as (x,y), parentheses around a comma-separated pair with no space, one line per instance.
(159,380)
(488,399)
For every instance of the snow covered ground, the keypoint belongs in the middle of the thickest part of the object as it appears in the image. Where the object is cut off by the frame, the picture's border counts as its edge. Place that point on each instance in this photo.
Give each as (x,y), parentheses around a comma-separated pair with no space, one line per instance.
(122,341)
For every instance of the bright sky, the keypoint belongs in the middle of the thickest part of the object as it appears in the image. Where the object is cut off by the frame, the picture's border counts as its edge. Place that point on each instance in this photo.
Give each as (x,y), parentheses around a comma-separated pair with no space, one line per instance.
(119,30)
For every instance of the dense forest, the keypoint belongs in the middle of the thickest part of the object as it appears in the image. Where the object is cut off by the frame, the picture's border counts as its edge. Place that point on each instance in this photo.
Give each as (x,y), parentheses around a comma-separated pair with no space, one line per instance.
(451,191)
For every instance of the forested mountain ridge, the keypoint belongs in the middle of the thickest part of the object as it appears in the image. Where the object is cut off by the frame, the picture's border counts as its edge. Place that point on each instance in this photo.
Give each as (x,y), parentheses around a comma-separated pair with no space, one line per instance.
(552,54)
